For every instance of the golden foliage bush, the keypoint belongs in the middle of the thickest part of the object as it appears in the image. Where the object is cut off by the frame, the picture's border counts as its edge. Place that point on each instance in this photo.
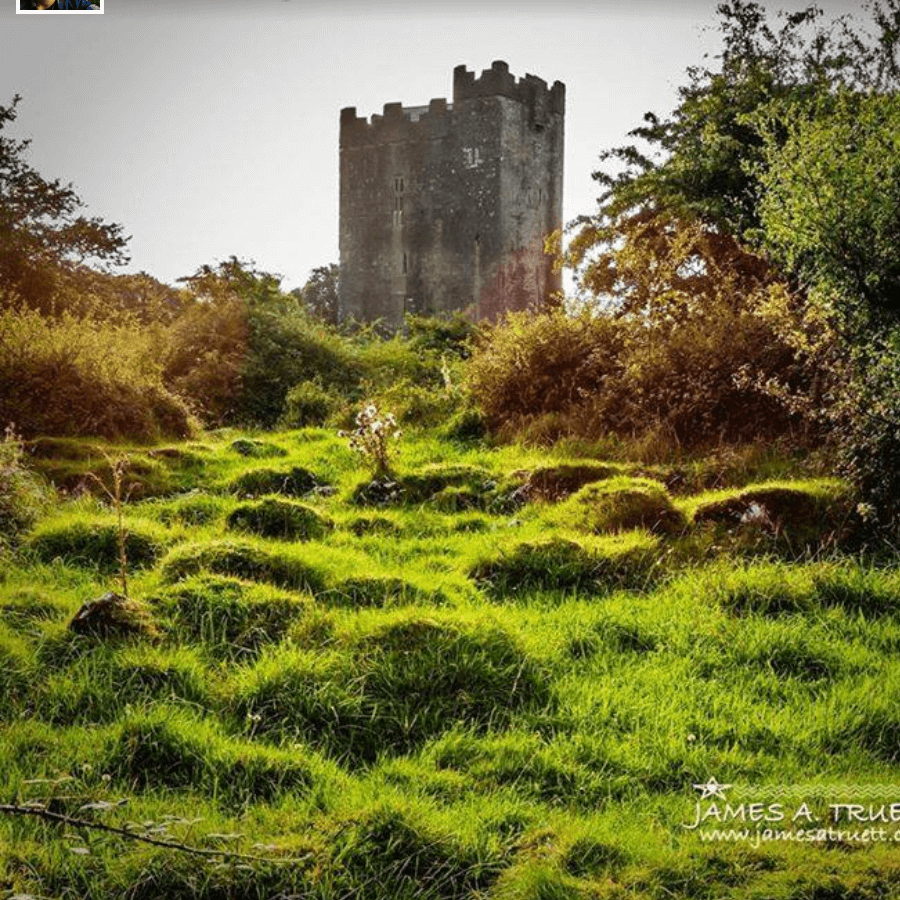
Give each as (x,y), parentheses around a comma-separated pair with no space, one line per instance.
(677,353)
(71,376)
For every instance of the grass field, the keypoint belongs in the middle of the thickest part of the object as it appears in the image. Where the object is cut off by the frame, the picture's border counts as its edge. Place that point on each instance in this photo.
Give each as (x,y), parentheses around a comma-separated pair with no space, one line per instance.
(501,675)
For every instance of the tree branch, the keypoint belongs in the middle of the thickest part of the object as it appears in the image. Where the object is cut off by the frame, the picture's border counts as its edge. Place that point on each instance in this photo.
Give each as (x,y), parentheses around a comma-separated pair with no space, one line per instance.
(42,812)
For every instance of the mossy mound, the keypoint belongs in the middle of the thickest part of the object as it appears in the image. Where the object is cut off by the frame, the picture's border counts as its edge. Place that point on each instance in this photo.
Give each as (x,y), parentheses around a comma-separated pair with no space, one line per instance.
(293,482)
(243,560)
(623,504)
(195,508)
(427,485)
(280,519)
(232,618)
(562,564)
(554,483)
(168,748)
(365,525)
(95,544)
(257,449)
(391,689)
(792,517)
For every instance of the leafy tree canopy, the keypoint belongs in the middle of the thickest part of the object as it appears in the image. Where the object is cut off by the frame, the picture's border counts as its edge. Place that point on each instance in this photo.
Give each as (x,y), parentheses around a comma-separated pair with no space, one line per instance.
(705,160)
(42,230)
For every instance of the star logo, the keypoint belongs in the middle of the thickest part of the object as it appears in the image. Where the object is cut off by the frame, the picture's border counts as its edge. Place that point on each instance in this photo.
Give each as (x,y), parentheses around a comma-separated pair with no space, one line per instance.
(712,788)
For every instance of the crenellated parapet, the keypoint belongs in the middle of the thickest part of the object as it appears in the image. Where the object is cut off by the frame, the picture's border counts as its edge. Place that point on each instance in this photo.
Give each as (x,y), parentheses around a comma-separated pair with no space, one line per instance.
(396,122)
(499,82)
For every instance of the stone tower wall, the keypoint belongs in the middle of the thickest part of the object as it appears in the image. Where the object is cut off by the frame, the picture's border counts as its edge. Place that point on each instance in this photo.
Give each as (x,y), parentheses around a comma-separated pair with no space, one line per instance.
(446,207)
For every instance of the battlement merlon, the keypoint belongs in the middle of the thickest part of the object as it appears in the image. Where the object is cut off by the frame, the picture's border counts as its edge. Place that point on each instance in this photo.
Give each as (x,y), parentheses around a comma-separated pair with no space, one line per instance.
(497,81)
(359,130)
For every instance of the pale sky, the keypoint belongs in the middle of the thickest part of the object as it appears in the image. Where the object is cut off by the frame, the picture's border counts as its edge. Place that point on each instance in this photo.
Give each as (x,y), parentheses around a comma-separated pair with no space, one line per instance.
(210,127)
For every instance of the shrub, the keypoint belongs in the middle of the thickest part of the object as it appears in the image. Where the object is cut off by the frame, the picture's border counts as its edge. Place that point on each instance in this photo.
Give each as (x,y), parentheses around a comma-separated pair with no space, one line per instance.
(529,364)
(309,404)
(71,376)
(276,518)
(22,494)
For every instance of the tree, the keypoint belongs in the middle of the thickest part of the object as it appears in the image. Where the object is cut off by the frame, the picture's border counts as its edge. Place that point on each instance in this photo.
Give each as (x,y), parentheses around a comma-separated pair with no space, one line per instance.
(320,294)
(704,161)
(830,215)
(830,211)
(41,228)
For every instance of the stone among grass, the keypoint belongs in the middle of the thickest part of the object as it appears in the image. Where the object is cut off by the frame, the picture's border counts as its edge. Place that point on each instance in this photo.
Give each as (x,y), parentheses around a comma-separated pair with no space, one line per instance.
(280,519)
(113,616)
(241,559)
(293,482)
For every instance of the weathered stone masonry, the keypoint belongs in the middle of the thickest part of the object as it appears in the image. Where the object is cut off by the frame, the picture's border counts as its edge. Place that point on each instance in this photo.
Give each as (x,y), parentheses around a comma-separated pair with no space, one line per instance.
(446,207)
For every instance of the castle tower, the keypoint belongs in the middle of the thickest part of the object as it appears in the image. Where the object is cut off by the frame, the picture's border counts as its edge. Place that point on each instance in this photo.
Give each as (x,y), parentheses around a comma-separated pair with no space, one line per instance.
(446,206)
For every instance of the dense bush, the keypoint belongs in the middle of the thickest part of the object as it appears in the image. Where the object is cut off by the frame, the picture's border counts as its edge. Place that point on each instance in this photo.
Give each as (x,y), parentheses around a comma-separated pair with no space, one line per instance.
(22,494)
(674,370)
(69,376)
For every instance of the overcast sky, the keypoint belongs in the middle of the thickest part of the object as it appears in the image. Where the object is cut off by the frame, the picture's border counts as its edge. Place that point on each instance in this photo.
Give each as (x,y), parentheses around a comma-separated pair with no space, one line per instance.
(210,127)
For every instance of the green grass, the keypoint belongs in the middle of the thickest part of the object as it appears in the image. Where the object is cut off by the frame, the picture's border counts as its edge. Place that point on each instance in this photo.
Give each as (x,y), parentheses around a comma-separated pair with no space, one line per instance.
(498,676)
